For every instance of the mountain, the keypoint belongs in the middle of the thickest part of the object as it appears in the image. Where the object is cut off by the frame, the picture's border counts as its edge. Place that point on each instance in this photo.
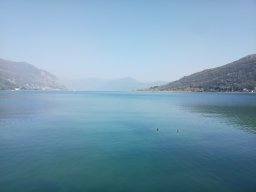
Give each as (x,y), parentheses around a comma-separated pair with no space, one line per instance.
(21,75)
(121,84)
(238,76)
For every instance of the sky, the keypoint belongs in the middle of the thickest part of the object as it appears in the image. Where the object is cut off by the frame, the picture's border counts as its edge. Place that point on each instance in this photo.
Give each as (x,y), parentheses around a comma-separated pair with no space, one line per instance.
(149,40)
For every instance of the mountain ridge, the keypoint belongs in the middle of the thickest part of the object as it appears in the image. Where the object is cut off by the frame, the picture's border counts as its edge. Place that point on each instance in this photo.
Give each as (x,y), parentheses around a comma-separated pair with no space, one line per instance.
(119,84)
(22,75)
(239,75)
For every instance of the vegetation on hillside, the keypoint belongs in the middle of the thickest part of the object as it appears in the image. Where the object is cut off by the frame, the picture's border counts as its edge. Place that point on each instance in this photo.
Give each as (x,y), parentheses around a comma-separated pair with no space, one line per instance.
(21,75)
(238,76)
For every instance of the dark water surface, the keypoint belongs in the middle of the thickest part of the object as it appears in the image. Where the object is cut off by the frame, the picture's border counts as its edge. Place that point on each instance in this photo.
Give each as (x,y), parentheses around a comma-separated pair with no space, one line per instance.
(107,141)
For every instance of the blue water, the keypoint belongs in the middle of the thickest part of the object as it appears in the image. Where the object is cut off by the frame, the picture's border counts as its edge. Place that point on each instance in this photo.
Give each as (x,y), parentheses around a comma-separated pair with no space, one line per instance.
(108,141)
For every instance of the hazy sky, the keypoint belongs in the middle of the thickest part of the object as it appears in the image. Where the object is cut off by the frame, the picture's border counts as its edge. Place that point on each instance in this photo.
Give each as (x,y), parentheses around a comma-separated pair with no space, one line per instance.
(144,39)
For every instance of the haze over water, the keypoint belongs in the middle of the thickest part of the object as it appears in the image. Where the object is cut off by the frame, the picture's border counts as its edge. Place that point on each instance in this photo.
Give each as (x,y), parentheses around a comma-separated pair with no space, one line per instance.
(108,141)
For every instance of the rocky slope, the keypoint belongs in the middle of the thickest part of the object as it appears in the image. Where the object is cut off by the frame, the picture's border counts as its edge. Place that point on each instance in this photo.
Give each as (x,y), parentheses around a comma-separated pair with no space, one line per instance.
(21,75)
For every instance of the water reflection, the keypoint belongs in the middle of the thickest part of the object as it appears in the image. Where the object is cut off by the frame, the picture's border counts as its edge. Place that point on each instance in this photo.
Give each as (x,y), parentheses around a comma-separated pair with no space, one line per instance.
(25,104)
(243,116)
(237,109)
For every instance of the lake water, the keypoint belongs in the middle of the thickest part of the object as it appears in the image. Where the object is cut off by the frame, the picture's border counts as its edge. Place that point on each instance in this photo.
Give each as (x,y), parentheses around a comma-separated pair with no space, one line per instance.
(108,141)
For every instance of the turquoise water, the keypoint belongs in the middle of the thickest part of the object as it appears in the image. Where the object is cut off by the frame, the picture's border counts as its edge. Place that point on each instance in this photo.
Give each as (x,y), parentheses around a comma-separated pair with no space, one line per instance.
(107,141)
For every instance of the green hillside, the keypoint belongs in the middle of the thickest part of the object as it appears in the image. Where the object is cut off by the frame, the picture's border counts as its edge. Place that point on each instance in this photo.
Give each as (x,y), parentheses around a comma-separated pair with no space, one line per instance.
(238,76)
(21,75)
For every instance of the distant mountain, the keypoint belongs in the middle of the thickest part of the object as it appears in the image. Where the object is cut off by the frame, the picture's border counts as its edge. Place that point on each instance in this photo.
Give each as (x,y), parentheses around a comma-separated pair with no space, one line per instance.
(21,75)
(239,76)
(121,84)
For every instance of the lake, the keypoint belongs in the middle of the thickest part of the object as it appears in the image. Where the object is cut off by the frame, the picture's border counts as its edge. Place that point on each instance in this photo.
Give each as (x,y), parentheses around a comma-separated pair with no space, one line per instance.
(127,141)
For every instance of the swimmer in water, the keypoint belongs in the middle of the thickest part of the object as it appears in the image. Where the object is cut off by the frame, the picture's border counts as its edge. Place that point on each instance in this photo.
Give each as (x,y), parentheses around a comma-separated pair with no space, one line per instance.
(178,130)
(157,129)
